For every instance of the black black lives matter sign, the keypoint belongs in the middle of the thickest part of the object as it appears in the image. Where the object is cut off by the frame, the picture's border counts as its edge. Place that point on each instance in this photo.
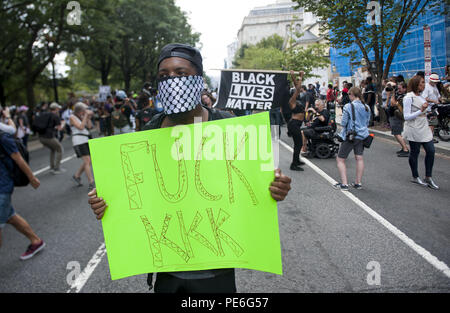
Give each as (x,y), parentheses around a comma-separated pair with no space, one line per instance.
(252,90)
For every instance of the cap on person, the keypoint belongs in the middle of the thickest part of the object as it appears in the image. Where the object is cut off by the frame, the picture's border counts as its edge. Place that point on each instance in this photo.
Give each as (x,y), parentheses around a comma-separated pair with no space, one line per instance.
(182,51)
(121,95)
(434,78)
(54,106)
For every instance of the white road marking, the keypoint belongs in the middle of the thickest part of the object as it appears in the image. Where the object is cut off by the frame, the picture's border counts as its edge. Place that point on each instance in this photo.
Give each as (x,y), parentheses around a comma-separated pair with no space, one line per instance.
(48,167)
(81,280)
(434,261)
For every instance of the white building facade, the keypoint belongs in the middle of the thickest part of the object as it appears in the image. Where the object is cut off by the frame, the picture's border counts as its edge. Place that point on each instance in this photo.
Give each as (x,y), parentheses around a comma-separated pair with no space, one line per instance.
(282,19)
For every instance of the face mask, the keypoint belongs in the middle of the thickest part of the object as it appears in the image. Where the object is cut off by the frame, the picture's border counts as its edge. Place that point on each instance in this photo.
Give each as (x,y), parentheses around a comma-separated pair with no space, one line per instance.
(180,94)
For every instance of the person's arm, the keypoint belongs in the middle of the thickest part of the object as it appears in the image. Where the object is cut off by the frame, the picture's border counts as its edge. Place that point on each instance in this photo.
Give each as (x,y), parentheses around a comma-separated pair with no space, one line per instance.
(9,129)
(17,157)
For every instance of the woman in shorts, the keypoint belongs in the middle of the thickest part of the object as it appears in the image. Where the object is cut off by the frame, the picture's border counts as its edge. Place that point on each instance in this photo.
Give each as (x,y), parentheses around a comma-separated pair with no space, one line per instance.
(359,124)
(80,123)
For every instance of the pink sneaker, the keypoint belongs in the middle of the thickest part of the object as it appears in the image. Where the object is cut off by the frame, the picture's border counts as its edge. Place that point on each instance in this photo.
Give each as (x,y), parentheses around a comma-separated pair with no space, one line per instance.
(32,250)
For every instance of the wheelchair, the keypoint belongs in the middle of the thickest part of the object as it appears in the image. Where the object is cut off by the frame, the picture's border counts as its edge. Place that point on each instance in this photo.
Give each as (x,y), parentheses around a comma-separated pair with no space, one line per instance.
(324,144)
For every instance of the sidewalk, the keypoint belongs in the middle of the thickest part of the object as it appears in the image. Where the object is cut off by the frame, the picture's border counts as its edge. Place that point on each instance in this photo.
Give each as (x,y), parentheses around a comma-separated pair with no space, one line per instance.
(441,145)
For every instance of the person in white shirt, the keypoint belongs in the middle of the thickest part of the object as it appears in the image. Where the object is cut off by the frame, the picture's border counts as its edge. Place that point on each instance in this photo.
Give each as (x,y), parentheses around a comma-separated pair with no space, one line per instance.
(80,123)
(323,91)
(417,132)
(431,95)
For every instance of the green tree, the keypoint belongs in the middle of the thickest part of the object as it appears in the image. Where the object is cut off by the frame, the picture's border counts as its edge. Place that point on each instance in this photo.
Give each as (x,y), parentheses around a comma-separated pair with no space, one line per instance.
(350,22)
(271,54)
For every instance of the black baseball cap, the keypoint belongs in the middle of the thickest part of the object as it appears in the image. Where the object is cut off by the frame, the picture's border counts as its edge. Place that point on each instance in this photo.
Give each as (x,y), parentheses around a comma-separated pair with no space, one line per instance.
(182,51)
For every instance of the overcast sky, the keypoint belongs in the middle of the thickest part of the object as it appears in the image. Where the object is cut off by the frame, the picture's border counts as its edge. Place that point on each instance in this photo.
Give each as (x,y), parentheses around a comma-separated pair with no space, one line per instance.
(218,21)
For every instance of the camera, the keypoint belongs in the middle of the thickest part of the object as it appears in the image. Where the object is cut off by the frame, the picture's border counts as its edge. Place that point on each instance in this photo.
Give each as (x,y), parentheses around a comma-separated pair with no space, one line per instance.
(351,135)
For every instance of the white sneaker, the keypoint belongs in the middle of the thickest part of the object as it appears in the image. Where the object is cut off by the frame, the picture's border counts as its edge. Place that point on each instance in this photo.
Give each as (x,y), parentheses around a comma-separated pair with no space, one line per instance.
(58,171)
(431,184)
(419,181)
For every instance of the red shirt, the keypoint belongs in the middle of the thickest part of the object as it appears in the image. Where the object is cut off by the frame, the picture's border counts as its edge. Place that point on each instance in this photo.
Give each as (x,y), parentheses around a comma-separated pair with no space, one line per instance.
(331,95)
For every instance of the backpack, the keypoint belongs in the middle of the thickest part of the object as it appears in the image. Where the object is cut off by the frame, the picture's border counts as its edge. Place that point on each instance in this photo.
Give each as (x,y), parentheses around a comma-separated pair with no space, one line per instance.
(119,119)
(40,123)
(18,176)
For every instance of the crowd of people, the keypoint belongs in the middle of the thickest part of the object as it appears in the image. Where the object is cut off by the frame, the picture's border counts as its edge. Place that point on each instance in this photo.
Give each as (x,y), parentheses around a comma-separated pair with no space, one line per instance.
(407,106)
(409,110)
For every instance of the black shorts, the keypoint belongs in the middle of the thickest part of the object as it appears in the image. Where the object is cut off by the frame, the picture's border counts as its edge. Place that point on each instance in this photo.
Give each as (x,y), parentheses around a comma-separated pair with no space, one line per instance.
(223,283)
(310,133)
(346,147)
(82,150)
(396,125)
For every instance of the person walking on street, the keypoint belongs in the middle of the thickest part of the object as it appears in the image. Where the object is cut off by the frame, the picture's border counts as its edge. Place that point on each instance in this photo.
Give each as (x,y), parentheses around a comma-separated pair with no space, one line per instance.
(418,132)
(80,124)
(48,137)
(23,126)
(355,122)
(395,112)
(9,154)
(182,64)
(120,117)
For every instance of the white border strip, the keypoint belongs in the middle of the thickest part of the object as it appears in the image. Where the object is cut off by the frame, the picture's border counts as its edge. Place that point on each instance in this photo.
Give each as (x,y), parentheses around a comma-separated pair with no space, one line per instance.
(434,261)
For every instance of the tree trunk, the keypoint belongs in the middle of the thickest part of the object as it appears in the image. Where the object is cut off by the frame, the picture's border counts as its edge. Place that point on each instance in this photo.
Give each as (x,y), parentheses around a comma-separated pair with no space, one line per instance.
(104,74)
(30,94)
(2,93)
(55,83)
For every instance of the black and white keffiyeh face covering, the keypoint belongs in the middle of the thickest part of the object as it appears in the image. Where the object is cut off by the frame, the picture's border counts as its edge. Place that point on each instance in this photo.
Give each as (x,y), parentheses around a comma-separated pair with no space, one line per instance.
(180,94)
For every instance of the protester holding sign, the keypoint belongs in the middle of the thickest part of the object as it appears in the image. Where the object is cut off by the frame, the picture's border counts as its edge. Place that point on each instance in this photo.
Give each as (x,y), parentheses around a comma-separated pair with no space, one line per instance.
(181,66)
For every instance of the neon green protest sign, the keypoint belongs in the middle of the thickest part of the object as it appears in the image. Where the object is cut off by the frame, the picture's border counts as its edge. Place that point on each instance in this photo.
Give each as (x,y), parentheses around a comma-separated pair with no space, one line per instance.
(190,197)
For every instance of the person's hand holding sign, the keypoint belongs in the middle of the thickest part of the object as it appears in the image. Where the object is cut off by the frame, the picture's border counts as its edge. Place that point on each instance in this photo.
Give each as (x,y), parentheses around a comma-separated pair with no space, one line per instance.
(279,189)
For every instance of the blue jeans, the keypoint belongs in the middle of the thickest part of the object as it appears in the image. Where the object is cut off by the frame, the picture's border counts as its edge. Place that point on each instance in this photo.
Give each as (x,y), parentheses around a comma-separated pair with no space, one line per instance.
(6,209)
(414,156)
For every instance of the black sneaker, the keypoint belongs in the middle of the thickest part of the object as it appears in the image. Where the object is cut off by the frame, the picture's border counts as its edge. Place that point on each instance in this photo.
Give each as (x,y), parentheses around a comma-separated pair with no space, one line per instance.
(403,154)
(357,186)
(296,168)
(340,186)
(77,180)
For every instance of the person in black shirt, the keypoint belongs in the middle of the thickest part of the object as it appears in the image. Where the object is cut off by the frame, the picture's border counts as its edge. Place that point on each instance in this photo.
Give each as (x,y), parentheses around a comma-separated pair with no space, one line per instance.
(48,138)
(145,112)
(176,61)
(298,115)
(320,118)
(369,98)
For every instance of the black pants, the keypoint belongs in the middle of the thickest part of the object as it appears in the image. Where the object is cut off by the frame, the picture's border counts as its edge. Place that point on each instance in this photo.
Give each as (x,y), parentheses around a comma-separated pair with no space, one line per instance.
(414,156)
(224,283)
(296,133)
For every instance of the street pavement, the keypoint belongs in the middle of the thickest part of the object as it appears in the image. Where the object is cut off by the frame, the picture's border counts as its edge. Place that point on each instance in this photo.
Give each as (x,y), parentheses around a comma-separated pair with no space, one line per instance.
(329,241)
